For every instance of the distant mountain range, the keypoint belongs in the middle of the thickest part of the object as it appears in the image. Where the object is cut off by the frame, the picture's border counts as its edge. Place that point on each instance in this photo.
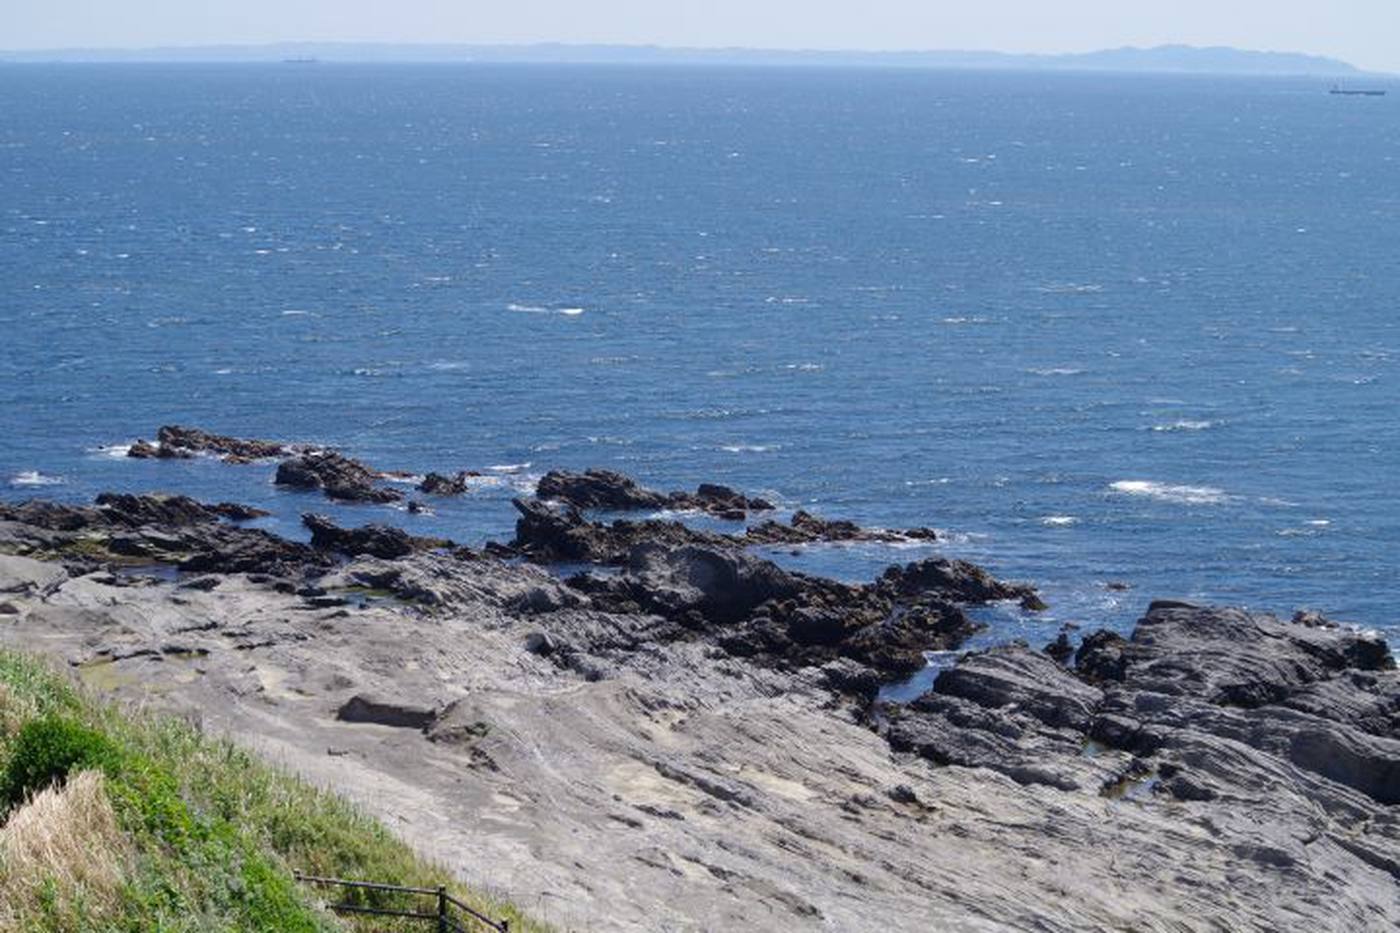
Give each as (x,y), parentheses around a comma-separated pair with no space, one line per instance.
(1179,59)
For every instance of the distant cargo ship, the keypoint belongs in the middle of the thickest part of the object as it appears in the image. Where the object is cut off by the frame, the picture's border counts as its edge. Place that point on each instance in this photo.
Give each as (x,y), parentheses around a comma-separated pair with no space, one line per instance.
(301,61)
(1358,92)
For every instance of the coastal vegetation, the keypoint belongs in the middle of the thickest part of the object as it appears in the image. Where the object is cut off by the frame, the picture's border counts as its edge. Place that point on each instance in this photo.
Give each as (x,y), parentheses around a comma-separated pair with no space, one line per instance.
(121,820)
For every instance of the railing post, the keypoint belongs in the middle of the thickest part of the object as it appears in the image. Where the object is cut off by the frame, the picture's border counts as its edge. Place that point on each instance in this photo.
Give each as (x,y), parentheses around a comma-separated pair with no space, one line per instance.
(442,909)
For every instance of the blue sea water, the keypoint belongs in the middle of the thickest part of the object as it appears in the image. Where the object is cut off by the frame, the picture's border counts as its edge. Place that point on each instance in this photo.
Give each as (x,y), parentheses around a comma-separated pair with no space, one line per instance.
(1095,328)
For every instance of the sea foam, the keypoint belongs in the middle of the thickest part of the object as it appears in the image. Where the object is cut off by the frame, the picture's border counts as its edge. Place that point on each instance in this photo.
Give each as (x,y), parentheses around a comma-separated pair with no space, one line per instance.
(35,478)
(1166,492)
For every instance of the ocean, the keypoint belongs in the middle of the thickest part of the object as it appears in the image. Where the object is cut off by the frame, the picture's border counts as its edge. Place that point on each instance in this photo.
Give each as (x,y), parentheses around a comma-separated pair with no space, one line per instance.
(1097,329)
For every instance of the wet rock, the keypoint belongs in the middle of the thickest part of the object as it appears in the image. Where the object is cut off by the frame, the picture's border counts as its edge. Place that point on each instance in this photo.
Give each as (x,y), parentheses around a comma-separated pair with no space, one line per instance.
(178,438)
(145,450)
(339,477)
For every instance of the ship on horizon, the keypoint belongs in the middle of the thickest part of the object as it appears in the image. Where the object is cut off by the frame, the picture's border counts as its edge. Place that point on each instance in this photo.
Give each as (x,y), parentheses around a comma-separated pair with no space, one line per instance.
(1357,92)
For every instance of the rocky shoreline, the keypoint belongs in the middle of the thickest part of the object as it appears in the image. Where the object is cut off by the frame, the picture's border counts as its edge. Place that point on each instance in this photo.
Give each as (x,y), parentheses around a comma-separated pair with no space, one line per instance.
(682,735)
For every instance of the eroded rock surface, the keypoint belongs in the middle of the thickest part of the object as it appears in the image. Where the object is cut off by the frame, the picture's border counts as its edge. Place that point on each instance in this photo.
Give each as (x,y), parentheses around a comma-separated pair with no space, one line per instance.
(689,744)
(123,529)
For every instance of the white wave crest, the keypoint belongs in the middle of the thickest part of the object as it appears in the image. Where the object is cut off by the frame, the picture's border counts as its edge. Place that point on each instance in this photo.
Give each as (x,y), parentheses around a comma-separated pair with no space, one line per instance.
(1166,492)
(541,309)
(1059,521)
(1184,425)
(35,478)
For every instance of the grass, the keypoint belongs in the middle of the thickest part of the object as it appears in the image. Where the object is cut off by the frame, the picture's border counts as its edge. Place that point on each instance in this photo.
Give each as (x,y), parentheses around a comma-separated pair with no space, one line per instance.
(121,822)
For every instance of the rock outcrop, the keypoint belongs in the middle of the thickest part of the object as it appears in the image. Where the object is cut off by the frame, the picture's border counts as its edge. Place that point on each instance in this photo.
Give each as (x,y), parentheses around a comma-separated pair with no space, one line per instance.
(1200,704)
(436,484)
(124,529)
(177,442)
(549,530)
(376,540)
(611,491)
(338,476)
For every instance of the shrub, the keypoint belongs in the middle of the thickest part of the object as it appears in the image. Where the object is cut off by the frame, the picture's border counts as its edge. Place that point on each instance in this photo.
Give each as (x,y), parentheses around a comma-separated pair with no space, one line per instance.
(46,750)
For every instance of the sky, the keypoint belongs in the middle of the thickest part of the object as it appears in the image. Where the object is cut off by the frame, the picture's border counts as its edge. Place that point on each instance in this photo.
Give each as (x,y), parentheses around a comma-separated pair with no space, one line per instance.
(1362,32)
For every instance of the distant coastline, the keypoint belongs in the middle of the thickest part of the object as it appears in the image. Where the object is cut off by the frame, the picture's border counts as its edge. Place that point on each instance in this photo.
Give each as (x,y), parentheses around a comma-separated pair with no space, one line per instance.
(1167,59)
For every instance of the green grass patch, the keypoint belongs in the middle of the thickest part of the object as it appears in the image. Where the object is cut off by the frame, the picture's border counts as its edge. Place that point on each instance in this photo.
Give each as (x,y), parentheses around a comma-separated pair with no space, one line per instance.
(211,834)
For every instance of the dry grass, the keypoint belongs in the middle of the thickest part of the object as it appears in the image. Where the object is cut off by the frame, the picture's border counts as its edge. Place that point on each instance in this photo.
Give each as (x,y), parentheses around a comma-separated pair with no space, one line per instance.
(15,711)
(62,856)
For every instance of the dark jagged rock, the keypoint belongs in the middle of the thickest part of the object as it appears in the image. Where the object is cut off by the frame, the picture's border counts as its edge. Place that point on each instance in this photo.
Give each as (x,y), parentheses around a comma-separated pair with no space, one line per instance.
(598,489)
(1230,657)
(1200,704)
(125,510)
(723,586)
(1061,648)
(555,530)
(436,484)
(805,528)
(612,491)
(548,531)
(1100,656)
(235,512)
(383,541)
(339,477)
(145,450)
(720,501)
(957,580)
(752,608)
(175,530)
(234,449)
(134,510)
(225,549)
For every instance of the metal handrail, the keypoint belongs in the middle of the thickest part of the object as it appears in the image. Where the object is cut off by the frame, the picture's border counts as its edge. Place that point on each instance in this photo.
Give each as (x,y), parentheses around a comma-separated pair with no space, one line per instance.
(446,922)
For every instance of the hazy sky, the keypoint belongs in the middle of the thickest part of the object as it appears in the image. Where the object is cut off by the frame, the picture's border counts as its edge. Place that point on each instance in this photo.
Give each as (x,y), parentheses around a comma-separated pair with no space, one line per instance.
(1363,32)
